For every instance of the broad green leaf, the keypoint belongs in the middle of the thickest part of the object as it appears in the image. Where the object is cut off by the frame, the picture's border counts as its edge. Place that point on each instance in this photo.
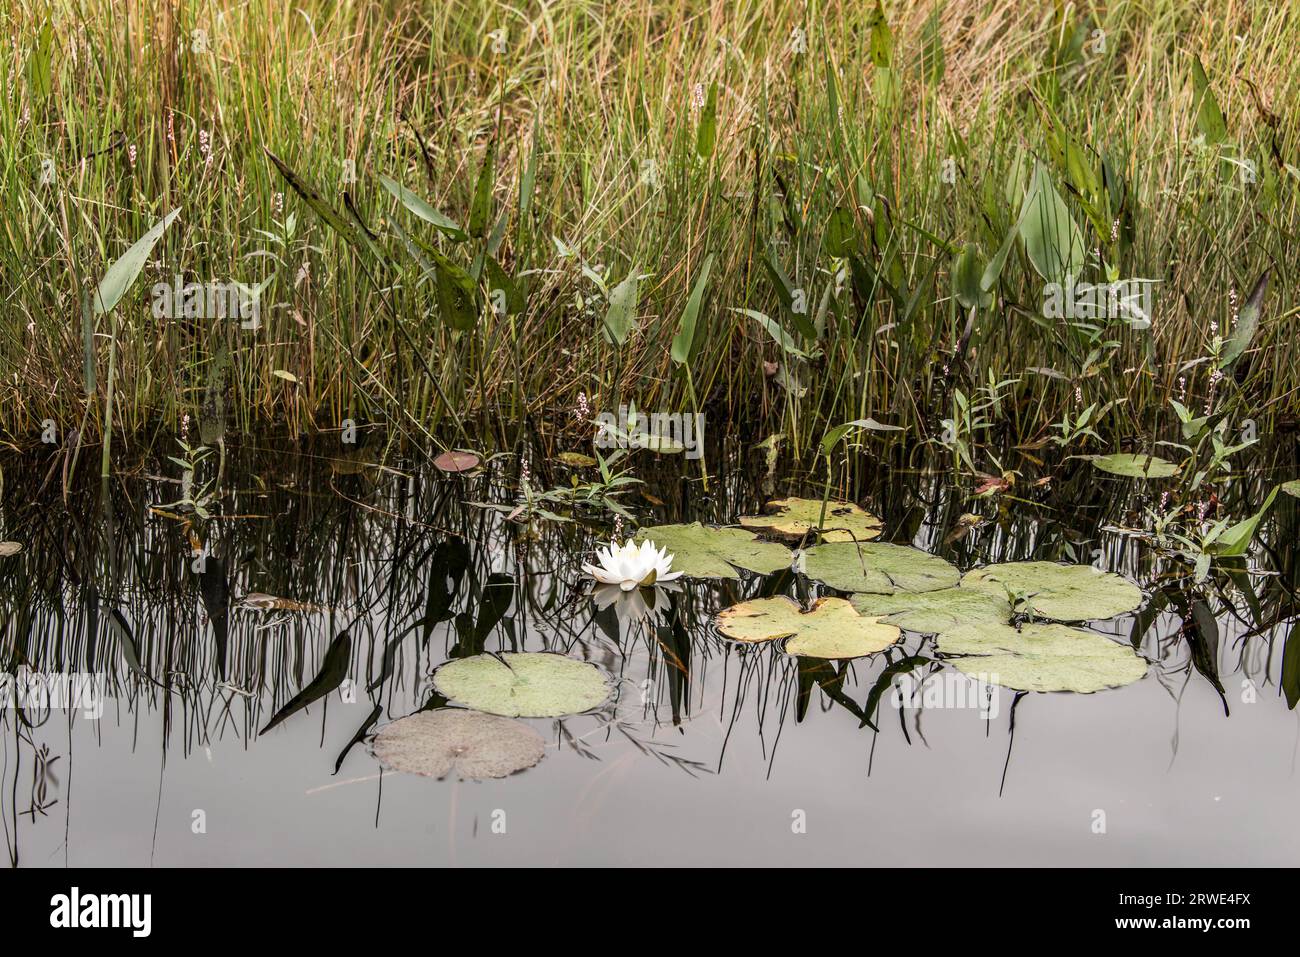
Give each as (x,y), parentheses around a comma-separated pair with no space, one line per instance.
(877,567)
(480,209)
(782,338)
(1133,465)
(684,341)
(620,318)
(1247,322)
(882,40)
(39,73)
(1052,240)
(122,273)
(932,57)
(706,136)
(1236,540)
(423,210)
(467,744)
(504,293)
(793,518)
(357,238)
(523,684)
(1040,657)
(841,236)
(1059,592)
(830,629)
(699,551)
(967,273)
(931,612)
(458,294)
(833,437)
(1209,118)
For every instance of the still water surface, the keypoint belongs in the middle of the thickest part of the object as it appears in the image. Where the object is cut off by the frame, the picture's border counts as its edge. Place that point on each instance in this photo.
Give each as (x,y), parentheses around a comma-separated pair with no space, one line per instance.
(710,753)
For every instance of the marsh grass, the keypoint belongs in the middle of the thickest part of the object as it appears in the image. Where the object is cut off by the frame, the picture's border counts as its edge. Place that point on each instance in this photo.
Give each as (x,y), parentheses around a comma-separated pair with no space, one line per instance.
(593,141)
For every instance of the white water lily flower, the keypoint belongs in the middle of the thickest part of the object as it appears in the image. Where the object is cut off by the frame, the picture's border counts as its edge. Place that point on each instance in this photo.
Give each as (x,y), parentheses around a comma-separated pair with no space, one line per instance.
(632,566)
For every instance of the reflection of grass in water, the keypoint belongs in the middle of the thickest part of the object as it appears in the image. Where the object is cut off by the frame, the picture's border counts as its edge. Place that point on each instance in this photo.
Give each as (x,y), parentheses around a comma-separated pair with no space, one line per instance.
(398,589)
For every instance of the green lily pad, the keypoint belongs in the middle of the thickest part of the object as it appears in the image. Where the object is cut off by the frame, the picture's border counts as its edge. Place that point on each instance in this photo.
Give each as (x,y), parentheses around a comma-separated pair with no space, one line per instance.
(830,629)
(793,518)
(1060,592)
(472,745)
(575,460)
(702,552)
(931,612)
(877,567)
(1041,657)
(523,684)
(1131,465)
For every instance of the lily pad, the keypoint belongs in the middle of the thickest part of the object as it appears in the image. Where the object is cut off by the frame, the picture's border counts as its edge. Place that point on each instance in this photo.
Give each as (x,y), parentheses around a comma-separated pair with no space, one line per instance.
(1131,465)
(830,629)
(793,518)
(1061,592)
(878,568)
(10,548)
(934,611)
(456,461)
(523,684)
(1041,657)
(472,745)
(1292,487)
(702,552)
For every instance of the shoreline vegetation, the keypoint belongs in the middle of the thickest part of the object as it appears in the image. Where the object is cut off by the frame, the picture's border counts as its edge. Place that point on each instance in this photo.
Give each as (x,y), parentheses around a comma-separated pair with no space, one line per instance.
(455,219)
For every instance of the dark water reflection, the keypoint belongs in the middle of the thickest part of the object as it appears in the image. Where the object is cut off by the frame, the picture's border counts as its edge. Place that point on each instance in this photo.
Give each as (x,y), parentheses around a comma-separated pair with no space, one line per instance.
(709,753)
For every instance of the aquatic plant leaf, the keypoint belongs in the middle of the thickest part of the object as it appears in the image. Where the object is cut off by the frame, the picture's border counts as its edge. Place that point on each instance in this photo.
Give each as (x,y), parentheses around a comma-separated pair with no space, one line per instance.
(932,56)
(575,460)
(1133,465)
(1209,117)
(10,548)
(423,210)
(620,319)
(359,735)
(456,461)
(331,675)
(877,568)
(1060,592)
(778,334)
(480,207)
(830,629)
(1040,657)
(1052,240)
(931,612)
(358,239)
(1235,541)
(470,745)
(967,276)
(841,236)
(523,684)
(504,291)
(1247,322)
(123,272)
(1292,487)
(458,294)
(700,551)
(684,341)
(706,135)
(793,518)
